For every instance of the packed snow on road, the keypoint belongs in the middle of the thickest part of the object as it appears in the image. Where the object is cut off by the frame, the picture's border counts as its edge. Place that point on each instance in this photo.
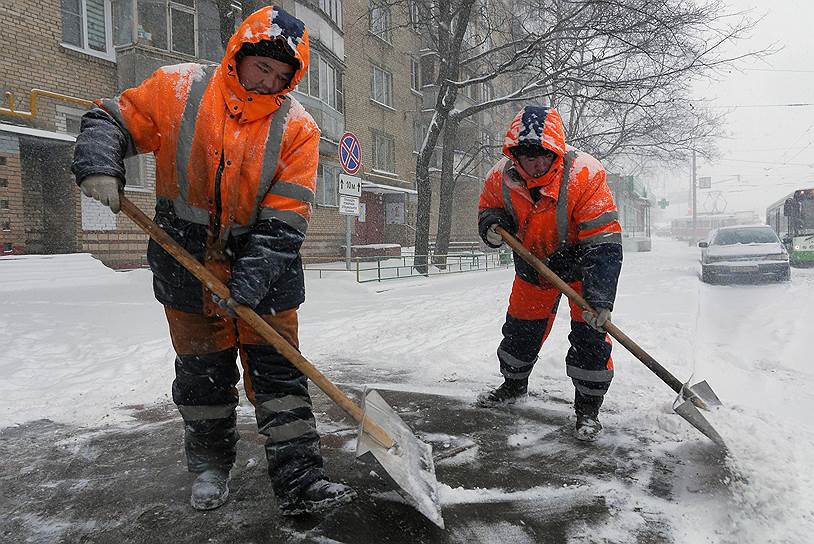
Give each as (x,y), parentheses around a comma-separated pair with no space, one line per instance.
(81,342)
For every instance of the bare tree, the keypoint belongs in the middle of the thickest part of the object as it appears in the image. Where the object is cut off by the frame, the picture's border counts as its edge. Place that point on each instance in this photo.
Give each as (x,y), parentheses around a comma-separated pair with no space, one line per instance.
(618,70)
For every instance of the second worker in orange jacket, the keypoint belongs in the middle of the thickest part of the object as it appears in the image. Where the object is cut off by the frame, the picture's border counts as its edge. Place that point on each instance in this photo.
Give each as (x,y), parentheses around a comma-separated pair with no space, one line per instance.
(555,199)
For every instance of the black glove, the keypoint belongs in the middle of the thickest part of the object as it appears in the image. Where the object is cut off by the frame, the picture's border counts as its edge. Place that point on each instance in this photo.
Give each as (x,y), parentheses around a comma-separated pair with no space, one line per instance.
(488,219)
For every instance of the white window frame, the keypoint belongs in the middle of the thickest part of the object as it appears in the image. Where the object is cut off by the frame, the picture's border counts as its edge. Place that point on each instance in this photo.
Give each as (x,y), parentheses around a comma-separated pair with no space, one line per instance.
(385,78)
(312,86)
(377,163)
(110,52)
(193,10)
(333,10)
(415,75)
(335,170)
(380,26)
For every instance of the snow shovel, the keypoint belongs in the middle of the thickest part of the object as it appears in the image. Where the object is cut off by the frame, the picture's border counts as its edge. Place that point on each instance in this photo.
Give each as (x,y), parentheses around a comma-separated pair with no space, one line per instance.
(383,436)
(690,397)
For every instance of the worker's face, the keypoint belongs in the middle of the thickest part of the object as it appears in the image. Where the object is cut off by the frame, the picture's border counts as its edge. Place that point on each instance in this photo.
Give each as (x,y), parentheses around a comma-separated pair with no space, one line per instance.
(264,75)
(535,163)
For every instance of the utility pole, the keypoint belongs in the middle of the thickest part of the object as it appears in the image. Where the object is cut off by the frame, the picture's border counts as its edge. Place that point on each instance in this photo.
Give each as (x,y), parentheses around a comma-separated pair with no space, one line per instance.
(693,240)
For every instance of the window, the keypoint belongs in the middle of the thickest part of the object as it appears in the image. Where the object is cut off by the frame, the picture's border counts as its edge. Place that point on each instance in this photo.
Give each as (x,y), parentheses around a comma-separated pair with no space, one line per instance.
(427,70)
(419,132)
(415,75)
(415,14)
(323,81)
(327,184)
(3,204)
(123,22)
(86,26)
(380,19)
(6,226)
(384,152)
(333,9)
(7,247)
(140,172)
(68,119)
(169,25)
(3,182)
(382,86)
(488,91)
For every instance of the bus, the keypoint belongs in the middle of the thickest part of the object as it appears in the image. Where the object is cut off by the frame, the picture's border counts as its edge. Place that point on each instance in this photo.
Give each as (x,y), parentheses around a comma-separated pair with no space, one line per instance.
(792,218)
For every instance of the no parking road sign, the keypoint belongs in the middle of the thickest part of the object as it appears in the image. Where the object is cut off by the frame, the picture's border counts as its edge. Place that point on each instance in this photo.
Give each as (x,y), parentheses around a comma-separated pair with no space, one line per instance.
(350,153)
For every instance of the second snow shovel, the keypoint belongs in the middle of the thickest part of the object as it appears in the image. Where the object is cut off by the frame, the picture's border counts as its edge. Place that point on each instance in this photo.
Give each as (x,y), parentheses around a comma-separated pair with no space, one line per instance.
(690,397)
(382,434)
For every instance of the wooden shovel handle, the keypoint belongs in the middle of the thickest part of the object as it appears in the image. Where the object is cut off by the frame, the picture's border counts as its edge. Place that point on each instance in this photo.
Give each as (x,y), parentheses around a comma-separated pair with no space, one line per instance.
(574,297)
(250,316)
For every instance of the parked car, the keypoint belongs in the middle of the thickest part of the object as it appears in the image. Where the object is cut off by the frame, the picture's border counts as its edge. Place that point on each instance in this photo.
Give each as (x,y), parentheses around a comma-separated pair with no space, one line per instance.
(744,253)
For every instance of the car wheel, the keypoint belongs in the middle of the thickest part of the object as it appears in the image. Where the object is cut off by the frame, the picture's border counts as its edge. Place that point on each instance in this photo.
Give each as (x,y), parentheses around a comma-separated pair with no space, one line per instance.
(785,275)
(706,275)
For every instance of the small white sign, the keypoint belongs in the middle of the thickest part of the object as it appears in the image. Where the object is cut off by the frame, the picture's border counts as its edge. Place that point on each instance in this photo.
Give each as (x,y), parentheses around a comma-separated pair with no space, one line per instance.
(350,185)
(348,205)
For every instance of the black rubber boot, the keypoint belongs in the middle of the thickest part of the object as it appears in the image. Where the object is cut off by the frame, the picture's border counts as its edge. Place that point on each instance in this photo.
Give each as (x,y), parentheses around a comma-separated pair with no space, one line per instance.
(320,495)
(509,392)
(587,407)
(210,489)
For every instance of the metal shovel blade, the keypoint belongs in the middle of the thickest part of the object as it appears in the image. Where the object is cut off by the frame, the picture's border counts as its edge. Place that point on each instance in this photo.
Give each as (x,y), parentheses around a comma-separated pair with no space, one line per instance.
(687,405)
(409,464)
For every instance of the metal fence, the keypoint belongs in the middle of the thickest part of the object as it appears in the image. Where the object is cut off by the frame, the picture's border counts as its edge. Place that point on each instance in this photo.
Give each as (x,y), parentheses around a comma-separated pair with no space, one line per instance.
(385,267)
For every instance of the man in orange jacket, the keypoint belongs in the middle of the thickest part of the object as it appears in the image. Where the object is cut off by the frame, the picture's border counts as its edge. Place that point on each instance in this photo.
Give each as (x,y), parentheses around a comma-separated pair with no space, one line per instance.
(236,159)
(556,200)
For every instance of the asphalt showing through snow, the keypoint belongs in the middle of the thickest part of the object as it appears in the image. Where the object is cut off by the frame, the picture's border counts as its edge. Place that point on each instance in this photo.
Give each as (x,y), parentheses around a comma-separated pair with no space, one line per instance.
(128,484)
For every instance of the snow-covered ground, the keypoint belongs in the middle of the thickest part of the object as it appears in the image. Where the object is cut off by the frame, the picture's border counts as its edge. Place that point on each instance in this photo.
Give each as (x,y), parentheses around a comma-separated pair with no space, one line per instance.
(81,341)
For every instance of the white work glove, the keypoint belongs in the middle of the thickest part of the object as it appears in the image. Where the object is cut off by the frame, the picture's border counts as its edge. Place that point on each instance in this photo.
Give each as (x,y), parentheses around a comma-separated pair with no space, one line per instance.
(103,188)
(492,236)
(597,321)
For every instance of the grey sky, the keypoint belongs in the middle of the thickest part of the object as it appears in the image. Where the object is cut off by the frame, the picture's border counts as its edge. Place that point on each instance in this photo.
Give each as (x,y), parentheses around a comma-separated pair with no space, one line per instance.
(770,148)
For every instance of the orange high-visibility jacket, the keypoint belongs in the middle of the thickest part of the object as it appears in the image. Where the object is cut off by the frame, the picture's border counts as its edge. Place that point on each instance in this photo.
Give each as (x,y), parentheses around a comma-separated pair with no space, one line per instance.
(567,216)
(226,159)
(198,119)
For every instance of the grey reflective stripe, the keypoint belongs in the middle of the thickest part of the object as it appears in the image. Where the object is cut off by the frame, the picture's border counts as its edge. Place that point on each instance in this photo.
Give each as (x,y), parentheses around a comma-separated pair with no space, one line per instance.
(284,404)
(293,190)
(507,193)
(292,219)
(515,375)
(602,238)
(210,411)
(562,199)
(588,391)
(289,431)
(111,107)
(605,219)
(183,148)
(513,361)
(271,156)
(190,213)
(600,376)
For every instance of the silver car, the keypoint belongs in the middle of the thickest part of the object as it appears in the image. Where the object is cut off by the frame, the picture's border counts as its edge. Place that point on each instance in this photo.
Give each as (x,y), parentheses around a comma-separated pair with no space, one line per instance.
(744,253)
